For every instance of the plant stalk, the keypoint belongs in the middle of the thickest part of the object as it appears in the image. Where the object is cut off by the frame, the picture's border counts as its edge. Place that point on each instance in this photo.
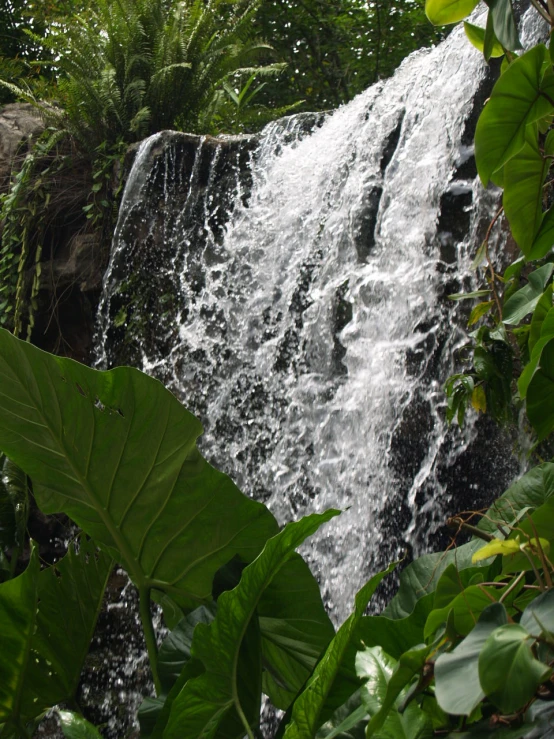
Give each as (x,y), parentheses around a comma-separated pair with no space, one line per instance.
(149,635)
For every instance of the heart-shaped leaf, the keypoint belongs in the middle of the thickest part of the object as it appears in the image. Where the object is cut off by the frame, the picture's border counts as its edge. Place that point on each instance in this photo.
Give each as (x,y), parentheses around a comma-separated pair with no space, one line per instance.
(117,453)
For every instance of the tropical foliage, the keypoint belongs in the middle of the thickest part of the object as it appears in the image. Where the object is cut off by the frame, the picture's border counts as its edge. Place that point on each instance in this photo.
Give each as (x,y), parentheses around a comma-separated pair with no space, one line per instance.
(465,648)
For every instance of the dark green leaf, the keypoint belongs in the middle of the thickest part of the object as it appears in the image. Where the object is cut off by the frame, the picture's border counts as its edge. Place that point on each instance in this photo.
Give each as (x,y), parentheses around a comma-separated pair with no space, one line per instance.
(524,176)
(308,707)
(295,630)
(49,617)
(542,309)
(410,664)
(421,577)
(538,617)
(524,301)
(508,672)
(504,23)
(540,393)
(457,686)
(174,653)
(117,453)
(208,700)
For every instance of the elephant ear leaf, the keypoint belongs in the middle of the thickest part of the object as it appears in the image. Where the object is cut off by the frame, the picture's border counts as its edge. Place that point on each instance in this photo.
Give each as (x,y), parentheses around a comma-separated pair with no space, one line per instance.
(48,619)
(117,453)
(224,700)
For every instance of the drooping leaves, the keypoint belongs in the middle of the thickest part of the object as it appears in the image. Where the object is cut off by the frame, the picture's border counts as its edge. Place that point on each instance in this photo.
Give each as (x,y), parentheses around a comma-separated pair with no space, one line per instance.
(117,453)
(307,710)
(218,695)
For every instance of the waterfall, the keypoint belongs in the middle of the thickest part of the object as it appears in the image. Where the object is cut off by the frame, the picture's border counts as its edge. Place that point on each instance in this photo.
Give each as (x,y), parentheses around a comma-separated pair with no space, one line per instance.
(290,289)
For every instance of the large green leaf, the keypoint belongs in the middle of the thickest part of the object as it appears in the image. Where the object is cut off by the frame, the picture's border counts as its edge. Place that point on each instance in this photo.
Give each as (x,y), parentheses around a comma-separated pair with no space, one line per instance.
(383,678)
(295,630)
(457,686)
(508,672)
(422,575)
(464,610)
(117,452)
(504,24)
(348,721)
(532,490)
(524,301)
(175,650)
(521,96)
(524,176)
(443,12)
(208,700)
(396,636)
(540,393)
(48,619)
(541,318)
(310,704)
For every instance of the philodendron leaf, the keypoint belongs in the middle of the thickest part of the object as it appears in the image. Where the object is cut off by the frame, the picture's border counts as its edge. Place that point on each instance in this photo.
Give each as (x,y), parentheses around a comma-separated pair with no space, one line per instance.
(520,97)
(308,707)
(117,453)
(76,727)
(210,699)
(508,672)
(443,12)
(383,678)
(48,619)
(524,176)
(457,686)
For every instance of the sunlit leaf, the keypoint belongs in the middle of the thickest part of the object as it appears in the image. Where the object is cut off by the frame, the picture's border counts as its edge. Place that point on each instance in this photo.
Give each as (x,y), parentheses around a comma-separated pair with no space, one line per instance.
(443,12)
(476,36)
(520,97)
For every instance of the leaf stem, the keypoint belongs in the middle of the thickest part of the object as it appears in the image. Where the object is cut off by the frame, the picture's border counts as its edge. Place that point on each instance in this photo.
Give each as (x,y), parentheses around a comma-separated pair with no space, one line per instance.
(149,635)
(512,587)
(245,723)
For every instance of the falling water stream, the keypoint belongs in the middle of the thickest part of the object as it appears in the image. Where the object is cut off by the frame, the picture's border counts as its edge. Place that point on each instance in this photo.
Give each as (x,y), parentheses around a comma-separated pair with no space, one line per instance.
(290,290)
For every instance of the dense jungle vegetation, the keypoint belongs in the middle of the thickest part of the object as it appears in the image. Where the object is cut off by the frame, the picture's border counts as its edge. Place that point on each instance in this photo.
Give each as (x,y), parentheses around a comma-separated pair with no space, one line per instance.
(466,647)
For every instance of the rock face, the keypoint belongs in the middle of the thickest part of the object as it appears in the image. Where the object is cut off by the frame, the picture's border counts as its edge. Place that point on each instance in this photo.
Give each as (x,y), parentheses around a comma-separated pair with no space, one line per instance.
(19,124)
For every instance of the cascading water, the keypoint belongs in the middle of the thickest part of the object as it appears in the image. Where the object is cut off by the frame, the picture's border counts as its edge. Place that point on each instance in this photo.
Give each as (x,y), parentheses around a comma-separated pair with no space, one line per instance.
(291,289)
